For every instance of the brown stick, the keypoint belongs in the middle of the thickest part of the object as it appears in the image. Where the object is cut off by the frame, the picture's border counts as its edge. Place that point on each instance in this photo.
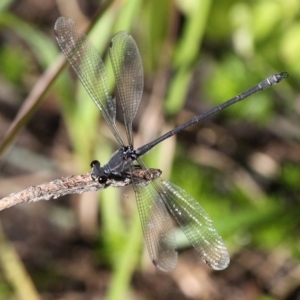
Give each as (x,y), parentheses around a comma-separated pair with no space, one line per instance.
(75,184)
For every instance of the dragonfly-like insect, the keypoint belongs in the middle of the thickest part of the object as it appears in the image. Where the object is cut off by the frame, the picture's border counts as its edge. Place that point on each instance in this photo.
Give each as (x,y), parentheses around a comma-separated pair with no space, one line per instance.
(157,199)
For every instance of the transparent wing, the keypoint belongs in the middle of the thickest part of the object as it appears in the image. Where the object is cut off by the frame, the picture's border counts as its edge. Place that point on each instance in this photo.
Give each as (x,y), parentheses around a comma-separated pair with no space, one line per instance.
(89,67)
(128,72)
(196,224)
(157,225)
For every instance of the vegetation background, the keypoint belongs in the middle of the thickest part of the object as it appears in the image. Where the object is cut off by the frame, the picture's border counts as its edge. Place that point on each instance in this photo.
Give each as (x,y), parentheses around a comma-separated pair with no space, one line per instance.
(242,164)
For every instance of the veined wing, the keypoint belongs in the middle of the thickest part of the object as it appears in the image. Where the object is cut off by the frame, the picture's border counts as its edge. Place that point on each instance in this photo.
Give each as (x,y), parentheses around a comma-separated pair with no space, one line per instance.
(156,223)
(89,67)
(195,223)
(128,72)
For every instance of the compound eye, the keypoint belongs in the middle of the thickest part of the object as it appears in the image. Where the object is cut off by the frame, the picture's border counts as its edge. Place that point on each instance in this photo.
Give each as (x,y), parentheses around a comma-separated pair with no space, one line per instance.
(102,179)
(94,163)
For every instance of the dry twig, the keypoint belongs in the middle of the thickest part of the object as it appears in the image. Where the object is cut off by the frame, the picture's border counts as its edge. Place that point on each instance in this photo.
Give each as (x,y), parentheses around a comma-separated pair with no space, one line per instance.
(75,184)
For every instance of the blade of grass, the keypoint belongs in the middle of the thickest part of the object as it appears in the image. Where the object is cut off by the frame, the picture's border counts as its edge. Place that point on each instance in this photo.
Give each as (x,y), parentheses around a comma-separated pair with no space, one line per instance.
(186,52)
(126,263)
(15,271)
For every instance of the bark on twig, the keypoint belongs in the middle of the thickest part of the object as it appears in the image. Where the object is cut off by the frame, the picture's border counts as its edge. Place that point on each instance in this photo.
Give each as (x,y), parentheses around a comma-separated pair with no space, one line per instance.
(75,184)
